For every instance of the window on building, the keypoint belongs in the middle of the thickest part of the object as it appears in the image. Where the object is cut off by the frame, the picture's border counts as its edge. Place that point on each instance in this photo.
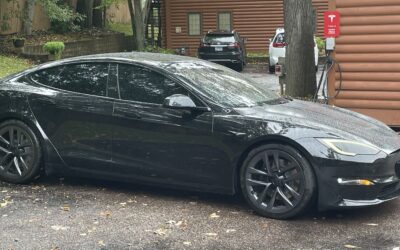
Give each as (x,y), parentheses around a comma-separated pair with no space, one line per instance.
(194,23)
(225,21)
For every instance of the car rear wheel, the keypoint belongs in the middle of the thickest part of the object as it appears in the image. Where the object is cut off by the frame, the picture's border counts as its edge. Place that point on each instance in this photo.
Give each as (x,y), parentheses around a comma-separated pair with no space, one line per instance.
(239,66)
(271,69)
(277,181)
(20,152)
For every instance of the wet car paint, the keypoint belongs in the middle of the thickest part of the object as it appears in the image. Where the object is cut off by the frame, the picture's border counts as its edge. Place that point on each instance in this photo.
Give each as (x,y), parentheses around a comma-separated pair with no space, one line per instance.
(110,138)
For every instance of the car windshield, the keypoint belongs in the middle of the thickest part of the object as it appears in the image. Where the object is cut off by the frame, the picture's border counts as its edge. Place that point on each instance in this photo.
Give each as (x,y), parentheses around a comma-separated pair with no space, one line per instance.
(215,39)
(222,85)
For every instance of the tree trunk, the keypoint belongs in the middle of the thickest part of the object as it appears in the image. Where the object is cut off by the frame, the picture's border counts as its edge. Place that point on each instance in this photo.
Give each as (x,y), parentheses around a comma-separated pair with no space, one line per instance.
(98,14)
(132,14)
(139,25)
(85,7)
(28,17)
(299,59)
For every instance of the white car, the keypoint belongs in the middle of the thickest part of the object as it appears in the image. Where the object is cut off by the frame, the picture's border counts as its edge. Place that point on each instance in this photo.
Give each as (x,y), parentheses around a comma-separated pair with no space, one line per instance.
(277,48)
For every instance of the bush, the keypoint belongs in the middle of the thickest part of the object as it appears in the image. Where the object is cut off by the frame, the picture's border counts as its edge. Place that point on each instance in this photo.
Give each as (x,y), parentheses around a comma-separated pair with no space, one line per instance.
(54,48)
(320,44)
(62,17)
(156,49)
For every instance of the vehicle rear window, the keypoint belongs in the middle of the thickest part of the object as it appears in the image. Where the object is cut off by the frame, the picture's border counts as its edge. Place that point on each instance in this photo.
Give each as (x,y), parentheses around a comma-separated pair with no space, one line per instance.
(280,38)
(223,39)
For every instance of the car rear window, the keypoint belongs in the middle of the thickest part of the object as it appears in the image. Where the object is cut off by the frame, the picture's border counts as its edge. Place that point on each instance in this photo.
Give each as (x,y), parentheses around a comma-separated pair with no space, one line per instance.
(280,38)
(223,39)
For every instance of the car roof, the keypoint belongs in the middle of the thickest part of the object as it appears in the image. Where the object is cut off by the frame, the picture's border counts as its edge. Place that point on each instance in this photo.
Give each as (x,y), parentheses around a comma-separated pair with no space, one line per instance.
(147,58)
(221,32)
(280,30)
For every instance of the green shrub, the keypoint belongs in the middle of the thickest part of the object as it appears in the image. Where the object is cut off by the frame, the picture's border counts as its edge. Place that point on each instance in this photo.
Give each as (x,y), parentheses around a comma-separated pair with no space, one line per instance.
(320,44)
(54,48)
(62,17)
(156,49)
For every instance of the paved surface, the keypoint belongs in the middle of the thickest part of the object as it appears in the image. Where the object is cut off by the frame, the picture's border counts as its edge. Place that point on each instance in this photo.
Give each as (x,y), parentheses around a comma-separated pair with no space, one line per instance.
(83,214)
(270,81)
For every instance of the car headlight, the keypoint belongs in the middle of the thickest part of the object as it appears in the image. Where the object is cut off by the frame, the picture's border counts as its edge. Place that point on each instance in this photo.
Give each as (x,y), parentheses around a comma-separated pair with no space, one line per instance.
(350,148)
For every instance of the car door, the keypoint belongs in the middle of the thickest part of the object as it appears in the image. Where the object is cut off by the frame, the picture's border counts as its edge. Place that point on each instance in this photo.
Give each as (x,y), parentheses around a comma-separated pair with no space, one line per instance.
(158,144)
(75,113)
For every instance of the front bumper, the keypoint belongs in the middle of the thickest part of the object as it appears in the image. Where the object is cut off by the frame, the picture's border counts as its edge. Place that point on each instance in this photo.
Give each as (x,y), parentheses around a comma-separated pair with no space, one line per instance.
(381,172)
(231,57)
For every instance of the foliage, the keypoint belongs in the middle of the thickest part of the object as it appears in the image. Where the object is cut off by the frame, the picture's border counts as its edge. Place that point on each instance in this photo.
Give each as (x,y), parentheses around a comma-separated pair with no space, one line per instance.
(257,54)
(120,27)
(62,17)
(10,65)
(54,48)
(320,44)
(155,49)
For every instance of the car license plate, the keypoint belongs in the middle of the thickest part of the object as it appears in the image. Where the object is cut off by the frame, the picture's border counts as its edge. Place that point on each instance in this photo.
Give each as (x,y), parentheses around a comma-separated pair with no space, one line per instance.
(218,48)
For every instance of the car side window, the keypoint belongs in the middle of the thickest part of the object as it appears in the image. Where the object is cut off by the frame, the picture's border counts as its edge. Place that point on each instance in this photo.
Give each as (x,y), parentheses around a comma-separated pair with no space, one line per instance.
(85,78)
(144,85)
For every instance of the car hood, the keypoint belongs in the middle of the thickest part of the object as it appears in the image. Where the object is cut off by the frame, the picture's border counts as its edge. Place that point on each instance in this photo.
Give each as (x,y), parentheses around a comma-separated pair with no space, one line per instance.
(328,121)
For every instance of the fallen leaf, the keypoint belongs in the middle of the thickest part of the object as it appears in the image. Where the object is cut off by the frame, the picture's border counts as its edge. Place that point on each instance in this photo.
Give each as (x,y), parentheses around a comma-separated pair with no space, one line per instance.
(351,246)
(5,203)
(372,224)
(230,230)
(214,215)
(106,213)
(83,234)
(396,248)
(161,231)
(211,234)
(101,243)
(58,228)
(187,243)
(65,208)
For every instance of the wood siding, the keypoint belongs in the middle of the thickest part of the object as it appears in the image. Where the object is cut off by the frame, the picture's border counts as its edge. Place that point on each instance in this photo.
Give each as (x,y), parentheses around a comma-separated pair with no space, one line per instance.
(40,21)
(256,20)
(369,54)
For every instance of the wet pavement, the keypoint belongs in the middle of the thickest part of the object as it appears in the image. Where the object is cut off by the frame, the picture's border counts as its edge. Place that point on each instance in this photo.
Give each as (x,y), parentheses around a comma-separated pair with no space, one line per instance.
(86,214)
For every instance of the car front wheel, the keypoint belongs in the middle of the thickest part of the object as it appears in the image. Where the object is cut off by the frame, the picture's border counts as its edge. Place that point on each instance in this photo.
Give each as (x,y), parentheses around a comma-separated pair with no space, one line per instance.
(277,181)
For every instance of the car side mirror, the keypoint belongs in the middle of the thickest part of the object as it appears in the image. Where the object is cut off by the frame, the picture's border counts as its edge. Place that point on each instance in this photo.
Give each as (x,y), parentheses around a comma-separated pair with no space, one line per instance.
(184,102)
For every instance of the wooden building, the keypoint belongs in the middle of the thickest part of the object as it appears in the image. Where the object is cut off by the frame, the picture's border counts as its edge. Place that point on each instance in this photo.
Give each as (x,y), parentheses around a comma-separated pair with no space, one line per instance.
(257,20)
(368,51)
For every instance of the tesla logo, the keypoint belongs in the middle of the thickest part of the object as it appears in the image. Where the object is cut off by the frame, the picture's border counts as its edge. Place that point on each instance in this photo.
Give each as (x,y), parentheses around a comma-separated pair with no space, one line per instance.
(332,24)
(332,17)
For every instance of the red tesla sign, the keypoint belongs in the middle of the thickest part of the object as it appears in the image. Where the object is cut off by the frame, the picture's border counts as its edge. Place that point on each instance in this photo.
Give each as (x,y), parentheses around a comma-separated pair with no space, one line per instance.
(332,24)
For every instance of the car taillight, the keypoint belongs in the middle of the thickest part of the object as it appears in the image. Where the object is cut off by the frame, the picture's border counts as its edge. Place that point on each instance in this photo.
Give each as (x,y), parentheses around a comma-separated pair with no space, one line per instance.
(234,46)
(278,45)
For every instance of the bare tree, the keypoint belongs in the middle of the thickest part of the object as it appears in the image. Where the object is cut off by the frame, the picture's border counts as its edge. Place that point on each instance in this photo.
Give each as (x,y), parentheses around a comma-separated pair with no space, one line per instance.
(139,10)
(299,36)
(28,17)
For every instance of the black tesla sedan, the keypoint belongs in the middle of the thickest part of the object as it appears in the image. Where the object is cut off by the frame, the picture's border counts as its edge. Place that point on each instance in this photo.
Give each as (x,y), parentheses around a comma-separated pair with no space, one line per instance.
(186,123)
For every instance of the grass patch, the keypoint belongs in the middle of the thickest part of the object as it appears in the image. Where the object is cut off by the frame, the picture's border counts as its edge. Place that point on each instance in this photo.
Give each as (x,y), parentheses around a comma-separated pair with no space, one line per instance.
(120,27)
(10,65)
(257,54)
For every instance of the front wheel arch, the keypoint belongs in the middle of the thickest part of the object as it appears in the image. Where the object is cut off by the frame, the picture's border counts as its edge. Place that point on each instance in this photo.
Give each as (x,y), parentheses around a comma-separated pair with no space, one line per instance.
(273,139)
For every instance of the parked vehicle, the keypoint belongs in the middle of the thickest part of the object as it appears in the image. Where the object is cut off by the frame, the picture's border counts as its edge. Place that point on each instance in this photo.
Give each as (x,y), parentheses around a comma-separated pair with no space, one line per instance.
(187,123)
(277,48)
(223,47)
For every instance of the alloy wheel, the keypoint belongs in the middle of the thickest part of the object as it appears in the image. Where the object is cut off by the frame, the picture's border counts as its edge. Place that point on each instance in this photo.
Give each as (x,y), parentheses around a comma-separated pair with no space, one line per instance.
(275,181)
(17,151)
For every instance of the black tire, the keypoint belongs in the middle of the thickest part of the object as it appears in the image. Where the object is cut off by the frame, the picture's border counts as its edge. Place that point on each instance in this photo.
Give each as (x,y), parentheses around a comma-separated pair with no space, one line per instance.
(20,154)
(273,190)
(239,66)
(271,69)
